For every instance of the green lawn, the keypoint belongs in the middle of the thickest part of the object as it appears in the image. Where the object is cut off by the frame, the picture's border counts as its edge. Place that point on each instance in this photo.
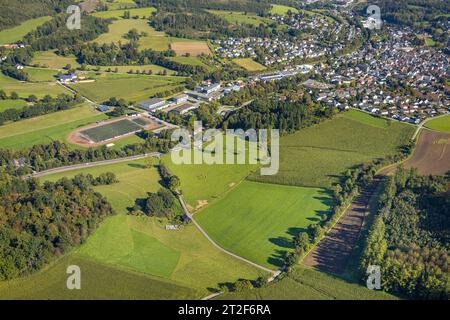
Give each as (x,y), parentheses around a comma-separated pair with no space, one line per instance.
(258,221)
(440,124)
(309,284)
(141,244)
(12,104)
(318,155)
(50,59)
(24,89)
(129,87)
(249,64)
(235,17)
(44,129)
(17,33)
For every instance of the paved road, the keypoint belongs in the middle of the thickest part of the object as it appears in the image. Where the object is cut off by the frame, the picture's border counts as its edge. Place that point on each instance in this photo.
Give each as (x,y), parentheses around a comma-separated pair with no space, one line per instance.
(94,164)
(420,126)
(189,215)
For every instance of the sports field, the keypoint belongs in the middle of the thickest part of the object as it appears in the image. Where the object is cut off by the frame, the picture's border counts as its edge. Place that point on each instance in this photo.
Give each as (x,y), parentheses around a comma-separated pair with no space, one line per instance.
(24,89)
(258,221)
(318,155)
(441,124)
(142,245)
(46,128)
(129,87)
(249,64)
(17,33)
(111,130)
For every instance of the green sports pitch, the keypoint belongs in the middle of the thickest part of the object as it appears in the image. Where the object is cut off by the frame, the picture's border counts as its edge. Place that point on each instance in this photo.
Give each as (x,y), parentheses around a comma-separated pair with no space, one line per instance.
(111,131)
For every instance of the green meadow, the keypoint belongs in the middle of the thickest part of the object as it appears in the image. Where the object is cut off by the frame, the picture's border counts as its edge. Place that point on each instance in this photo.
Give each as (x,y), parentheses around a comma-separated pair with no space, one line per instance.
(257,220)
(194,61)
(49,59)
(41,74)
(317,156)
(441,124)
(24,89)
(12,104)
(129,87)
(249,64)
(237,18)
(47,128)
(141,68)
(118,13)
(282,10)
(17,33)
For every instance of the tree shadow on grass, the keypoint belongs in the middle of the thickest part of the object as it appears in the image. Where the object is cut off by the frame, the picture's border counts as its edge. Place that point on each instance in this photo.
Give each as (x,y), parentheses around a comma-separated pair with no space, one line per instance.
(137,165)
(277,259)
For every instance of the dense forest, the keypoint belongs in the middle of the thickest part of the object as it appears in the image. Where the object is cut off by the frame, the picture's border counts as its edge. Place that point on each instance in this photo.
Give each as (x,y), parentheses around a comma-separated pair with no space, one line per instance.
(41,222)
(410,236)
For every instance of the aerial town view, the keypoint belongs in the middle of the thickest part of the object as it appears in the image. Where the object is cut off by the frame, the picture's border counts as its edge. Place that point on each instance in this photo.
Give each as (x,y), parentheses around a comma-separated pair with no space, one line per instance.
(218,150)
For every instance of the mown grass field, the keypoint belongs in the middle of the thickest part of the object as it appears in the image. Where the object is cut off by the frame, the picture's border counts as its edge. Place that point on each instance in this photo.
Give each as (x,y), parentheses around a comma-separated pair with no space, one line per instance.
(12,104)
(257,220)
(50,59)
(318,155)
(44,129)
(249,64)
(237,18)
(121,4)
(141,244)
(118,13)
(17,33)
(194,61)
(41,74)
(129,87)
(24,89)
(440,124)
(309,284)
(281,10)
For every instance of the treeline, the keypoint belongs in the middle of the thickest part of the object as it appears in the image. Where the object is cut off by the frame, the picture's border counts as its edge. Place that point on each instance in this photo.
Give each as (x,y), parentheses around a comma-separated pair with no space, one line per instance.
(57,154)
(40,107)
(409,238)
(41,222)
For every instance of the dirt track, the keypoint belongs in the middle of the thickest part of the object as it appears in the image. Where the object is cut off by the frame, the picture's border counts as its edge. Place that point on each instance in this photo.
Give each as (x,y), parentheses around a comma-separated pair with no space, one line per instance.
(432,154)
(333,252)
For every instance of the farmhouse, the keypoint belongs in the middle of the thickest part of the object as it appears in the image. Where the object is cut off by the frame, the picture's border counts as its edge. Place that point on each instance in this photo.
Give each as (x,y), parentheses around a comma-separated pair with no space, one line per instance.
(65,78)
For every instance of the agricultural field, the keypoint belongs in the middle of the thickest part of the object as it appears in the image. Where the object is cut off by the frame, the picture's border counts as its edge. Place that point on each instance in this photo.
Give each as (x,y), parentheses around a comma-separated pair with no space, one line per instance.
(193,61)
(46,128)
(17,33)
(41,74)
(141,68)
(129,87)
(441,124)
(142,245)
(318,155)
(249,64)
(12,104)
(25,89)
(237,18)
(193,48)
(262,229)
(309,284)
(49,59)
(282,10)
(118,13)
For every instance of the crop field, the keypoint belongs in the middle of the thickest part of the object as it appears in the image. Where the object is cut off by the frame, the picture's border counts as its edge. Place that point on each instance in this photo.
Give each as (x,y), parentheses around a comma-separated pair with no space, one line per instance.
(111,130)
(262,229)
(17,33)
(318,155)
(440,124)
(141,244)
(129,87)
(235,17)
(46,128)
(12,104)
(24,89)
(41,74)
(249,64)
(194,48)
(50,59)
(309,284)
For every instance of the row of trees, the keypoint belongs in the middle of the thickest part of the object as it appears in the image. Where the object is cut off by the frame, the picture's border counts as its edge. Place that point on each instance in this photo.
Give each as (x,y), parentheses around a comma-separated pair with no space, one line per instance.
(409,238)
(40,107)
(41,222)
